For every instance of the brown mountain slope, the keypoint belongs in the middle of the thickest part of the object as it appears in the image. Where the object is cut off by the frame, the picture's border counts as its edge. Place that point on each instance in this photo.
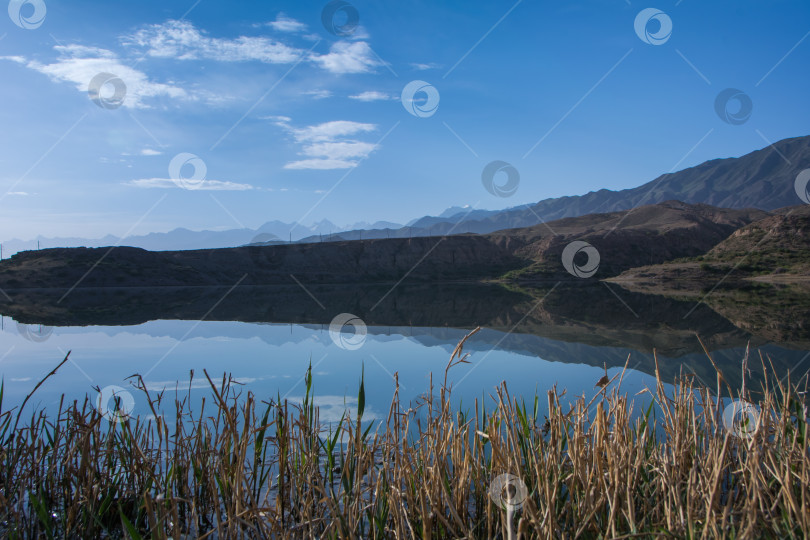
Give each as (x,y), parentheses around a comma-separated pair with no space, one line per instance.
(774,248)
(649,234)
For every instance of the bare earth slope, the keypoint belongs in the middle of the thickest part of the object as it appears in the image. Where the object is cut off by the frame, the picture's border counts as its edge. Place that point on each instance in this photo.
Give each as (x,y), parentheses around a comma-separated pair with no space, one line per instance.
(648,234)
(774,248)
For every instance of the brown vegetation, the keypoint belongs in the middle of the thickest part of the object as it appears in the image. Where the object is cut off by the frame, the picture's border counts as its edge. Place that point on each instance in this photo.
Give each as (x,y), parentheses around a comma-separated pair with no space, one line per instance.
(239,467)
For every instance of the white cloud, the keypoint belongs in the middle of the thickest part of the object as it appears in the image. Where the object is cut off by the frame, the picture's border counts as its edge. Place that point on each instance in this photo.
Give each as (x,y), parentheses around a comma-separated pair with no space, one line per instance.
(321,164)
(339,150)
(329,131)
(150,152)
(20,193)
(286,24)
(331,408)
(318,94)
(329,145)
(78,64)
(205,185)
(372,95)
(183,41)
(159,386)
(347,57)
(278,120)
(360,33)
(424,67)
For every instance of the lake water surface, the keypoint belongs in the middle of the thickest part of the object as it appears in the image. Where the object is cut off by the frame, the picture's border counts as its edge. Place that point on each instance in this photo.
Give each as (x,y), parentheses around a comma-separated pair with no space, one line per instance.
(265,338)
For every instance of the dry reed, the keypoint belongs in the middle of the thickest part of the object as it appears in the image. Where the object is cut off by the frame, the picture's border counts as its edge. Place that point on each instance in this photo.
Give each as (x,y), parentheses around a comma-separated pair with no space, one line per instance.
(232,466)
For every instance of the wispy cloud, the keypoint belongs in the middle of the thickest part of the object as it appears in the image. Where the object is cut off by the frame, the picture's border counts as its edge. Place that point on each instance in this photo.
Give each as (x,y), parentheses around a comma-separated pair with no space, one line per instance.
(360,33)
(372,95)
(348,57)
(183,41)
(321,164)
(159,386)
(287,24)
(318,94)
(280,120)
(328,131)
(340,150)
(150,152)
(205,185)
(424,67)
(331,408)
(78,64)
(329,145)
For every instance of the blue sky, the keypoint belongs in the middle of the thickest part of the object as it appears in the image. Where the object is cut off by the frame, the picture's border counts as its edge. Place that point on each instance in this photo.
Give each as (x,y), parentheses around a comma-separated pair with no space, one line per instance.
(293,122)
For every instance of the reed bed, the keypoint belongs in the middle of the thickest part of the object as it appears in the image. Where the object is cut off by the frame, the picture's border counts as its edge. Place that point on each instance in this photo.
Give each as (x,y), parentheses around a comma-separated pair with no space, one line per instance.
(232,466)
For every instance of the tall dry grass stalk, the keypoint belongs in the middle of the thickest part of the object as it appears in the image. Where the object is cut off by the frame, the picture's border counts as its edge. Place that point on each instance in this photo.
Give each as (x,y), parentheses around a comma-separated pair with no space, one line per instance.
(233,466)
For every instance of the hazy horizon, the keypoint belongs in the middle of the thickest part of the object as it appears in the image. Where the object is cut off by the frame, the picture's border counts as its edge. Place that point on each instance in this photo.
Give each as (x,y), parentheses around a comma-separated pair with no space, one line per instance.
(303,229)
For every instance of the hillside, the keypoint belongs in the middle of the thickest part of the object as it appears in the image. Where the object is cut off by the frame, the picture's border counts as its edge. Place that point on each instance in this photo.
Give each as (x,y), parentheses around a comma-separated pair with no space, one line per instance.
(655,234)
(652,233)
(774,248)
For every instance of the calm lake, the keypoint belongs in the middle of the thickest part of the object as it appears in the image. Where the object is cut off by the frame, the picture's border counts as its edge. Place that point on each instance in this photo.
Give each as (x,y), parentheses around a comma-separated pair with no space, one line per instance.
(265,337)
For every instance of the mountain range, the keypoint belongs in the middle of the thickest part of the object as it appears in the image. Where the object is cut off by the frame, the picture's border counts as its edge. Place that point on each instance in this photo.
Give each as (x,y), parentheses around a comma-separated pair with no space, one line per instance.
(762,179)
(617,241)
(269,233)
